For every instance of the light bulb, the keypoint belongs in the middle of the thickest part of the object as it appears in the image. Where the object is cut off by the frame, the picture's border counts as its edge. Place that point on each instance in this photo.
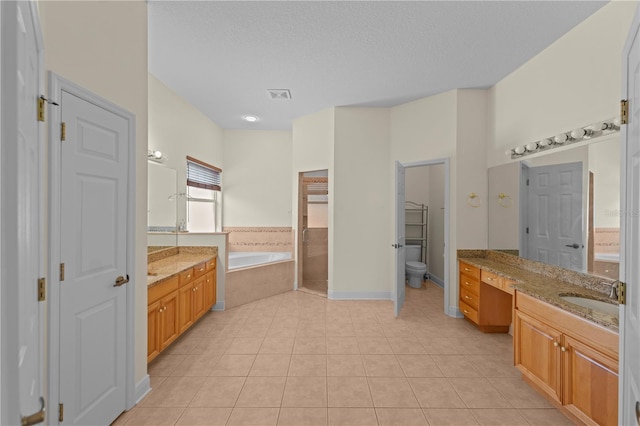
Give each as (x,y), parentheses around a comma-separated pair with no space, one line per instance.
(561,138)
(250,118)
(578,134)
(531,146)
(519,150)
(544,142)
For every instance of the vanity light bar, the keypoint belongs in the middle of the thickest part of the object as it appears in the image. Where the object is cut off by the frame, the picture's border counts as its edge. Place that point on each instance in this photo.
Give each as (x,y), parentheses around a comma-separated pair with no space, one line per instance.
(595,130)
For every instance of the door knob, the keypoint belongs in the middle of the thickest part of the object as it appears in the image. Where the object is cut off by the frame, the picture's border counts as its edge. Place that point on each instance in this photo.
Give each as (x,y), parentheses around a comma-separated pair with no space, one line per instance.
(574,245)
(121,281)
(638,412)
(35,418)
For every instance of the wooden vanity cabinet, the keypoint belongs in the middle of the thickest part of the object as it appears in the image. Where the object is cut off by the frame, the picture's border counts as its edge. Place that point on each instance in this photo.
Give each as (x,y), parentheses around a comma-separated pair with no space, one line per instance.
(162,317)
(482,299)
(572,361)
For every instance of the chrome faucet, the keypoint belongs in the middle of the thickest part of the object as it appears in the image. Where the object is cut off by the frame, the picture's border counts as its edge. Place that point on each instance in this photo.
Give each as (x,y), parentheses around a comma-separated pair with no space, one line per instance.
(614,290)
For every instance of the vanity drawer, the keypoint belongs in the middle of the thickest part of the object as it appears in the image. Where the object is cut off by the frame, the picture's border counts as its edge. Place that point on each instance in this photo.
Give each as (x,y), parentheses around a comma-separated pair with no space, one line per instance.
(158,291)
(506,286)
(469,312)
(469,298)
(200,269)
(469,270)
(492,279)
(186,276)
(211,264)
(469,284)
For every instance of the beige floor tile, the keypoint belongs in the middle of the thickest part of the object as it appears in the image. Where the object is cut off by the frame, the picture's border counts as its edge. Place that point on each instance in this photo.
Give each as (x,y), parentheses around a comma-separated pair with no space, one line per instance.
(455,366)
(270,365)
(450,417)
(212,346)
(154,381)
(419,366)
(441,346)
(382,366)
(257,332)
(281,332)
(342,345)
(233,365)
(277,345)
(545,417)
(406,346)
(204,417)
(340,330)
(400,417)
(290,416)
(492,366)
(218,392)
(196,365)
(241,416)
(374,345)
(310,345)
(164,364)
(435,392)
(349,392)
(499,417)
(518,393)
(345,365)
(368,330)
(392,392)
(173,392)
(352,417)
(478,393)
(305,392)
(311,331)
(184,345)
(154,416)
(244,346)
(261,392)
(124,417)
(308,365)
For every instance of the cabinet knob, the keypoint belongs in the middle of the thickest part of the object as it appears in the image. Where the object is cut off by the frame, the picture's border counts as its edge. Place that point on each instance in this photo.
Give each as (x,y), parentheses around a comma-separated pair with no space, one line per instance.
(563,349)
(556,344)
(467,269)
(466,297)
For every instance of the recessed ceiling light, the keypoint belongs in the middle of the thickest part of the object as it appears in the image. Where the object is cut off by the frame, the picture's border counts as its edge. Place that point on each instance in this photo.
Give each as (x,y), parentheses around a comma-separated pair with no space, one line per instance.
(250,118)
(279,94)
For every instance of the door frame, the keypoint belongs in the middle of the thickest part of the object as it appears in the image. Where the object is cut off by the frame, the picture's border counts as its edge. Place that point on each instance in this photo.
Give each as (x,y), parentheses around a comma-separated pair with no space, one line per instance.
(57,85)
(448,310)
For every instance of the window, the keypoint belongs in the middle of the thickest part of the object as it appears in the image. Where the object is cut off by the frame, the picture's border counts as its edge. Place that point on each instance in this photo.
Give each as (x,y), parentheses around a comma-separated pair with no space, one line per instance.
(203,185)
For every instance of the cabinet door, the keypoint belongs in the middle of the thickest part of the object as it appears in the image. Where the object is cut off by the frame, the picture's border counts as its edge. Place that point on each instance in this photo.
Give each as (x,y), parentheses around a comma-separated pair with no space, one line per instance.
(198,298)
(169,320)
(185,307)
(210,289)
(537,353)
(153,330)
(590,384)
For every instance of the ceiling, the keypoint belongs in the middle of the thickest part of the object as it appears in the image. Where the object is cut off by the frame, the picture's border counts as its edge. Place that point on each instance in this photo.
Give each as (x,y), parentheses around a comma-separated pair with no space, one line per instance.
(222,56)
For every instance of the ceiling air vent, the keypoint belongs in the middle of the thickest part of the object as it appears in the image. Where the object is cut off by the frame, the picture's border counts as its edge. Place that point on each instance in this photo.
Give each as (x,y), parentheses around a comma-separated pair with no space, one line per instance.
(279,94)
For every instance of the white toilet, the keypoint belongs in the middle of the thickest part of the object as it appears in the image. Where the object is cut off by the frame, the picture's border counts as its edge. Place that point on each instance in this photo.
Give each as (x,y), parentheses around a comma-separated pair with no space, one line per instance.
(413,268)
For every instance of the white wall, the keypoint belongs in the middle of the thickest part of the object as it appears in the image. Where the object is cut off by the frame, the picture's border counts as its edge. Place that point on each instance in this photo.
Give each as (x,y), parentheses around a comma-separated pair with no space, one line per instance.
(604,162)
(361,205)
(257,178)
(435,235)
(574,82)
(417,184)
(179,129)
(504,218)
(102,46)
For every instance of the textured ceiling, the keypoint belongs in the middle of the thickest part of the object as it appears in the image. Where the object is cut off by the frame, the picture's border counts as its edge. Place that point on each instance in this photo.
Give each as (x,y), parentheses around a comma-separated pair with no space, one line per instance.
(223,56)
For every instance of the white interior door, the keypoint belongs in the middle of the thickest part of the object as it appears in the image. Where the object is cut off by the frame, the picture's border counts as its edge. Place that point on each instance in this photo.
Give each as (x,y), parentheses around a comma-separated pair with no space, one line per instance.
(22,216)
(629,372)
(93,315)
(554,216)
(400,239)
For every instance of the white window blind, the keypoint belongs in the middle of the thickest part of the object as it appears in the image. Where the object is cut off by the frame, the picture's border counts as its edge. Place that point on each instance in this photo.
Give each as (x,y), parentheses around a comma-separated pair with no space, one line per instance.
(203,175)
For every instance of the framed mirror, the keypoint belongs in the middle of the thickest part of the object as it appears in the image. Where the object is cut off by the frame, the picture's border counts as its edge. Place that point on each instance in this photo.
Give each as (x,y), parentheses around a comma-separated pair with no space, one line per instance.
(161,207)
(560,207)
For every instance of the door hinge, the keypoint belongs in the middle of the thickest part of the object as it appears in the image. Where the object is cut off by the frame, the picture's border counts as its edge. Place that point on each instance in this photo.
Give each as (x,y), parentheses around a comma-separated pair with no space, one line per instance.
(527,182)
(61,412)
(527,229)
(42,289)
(62,272)
(622,293)
(63,131)
(624,111)
(41,108)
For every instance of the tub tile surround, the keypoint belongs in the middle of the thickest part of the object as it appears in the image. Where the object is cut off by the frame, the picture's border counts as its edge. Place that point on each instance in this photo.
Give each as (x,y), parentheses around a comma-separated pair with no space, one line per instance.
(166,263)
(259,238)
(254,283)
(547,282)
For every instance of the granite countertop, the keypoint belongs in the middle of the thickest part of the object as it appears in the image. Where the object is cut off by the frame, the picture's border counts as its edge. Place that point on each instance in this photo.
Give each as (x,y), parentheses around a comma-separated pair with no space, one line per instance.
(184,258)
(549,289)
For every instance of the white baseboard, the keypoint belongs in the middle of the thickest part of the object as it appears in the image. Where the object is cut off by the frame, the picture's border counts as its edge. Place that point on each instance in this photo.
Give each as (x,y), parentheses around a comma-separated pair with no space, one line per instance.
(437,280)
(359,295)
(218,306)
(453,311)
(143,387)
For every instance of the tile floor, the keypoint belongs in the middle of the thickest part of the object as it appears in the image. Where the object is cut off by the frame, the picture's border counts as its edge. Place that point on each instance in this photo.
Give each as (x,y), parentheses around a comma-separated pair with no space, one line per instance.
(299,359)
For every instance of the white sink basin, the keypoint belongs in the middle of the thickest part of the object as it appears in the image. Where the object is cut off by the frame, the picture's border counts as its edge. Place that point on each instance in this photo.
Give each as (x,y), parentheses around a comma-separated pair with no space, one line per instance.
(596,305)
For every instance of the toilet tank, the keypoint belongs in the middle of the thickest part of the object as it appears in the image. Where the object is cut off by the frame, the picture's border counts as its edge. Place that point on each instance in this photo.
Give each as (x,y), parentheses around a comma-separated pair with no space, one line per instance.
(412,253)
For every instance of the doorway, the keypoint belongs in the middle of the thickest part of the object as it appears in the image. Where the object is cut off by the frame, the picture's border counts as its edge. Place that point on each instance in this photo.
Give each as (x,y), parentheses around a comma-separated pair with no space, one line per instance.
(313,235)
(423,225)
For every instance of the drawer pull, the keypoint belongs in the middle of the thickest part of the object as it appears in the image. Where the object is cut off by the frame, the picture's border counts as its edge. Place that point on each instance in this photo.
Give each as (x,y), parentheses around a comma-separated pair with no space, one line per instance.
(189,276)
(201,269)
(556,344)
(489,279)
(465,311)
(467,269)
(467,297)
(467,283)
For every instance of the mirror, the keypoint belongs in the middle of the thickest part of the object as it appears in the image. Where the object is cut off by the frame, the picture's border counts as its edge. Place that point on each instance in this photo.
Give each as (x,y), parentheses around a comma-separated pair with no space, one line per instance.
(560,207)
(161,208)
